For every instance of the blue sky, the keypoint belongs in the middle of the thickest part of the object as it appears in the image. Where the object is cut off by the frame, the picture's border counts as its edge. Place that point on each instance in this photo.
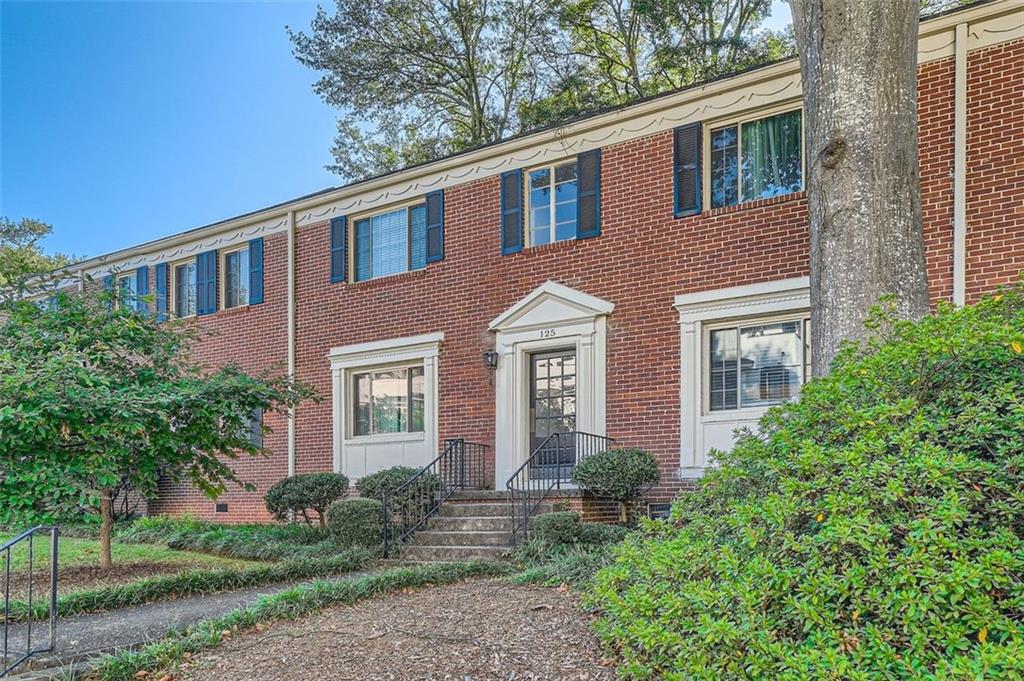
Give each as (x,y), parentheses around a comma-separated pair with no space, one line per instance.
(121,122)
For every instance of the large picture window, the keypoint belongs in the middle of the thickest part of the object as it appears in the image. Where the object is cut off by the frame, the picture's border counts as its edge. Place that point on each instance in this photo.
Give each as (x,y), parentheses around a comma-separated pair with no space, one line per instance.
(390,243)
(756,159)
(552,195)
(388,400)
(185,289)
(757,365)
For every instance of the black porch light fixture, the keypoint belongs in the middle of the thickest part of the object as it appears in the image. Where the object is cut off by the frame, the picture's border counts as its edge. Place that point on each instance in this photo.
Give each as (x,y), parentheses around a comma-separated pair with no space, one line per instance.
(490,359)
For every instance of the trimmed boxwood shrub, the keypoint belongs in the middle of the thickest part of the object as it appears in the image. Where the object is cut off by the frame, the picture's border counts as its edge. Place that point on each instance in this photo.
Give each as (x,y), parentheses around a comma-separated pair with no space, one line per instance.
(621,474)
(300,494)
(872,530)
(383,482)
(566,528)
(357,522)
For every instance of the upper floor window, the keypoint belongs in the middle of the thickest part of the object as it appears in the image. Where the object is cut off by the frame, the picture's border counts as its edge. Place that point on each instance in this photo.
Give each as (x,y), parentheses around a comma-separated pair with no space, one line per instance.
(127,289)
(236,278)
(255,429)
(552,194)
(184,288)
(757,364)
(390,243)
(388,400)
(756,159)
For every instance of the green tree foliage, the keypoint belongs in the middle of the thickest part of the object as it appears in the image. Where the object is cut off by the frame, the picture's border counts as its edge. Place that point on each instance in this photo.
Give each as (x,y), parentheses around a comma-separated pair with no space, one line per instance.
(872,530)
(22,258)
(418,79)
(92,394)
(300,494)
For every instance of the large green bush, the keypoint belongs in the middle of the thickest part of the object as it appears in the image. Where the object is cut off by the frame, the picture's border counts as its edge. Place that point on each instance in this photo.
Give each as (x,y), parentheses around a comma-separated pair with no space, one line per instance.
(383,482)
(873,530)
(357,522)
(620,474)
(300,494)
(567,527)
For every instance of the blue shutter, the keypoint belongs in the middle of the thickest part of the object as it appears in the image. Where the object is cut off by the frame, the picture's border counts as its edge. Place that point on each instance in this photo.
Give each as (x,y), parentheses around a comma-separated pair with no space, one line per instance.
(588,203)
(435,226)
(206,283)
(256,271)
(142,289)
(686,169)
(339,233)
(161,292)
(418,237)
(512,211)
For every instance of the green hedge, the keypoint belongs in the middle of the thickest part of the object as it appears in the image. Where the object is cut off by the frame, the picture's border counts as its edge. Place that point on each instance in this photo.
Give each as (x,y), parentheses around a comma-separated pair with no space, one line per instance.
(567,528)
(357,522)
(620,474)
(291,604)
(298,495)
(194,583)
(873,530)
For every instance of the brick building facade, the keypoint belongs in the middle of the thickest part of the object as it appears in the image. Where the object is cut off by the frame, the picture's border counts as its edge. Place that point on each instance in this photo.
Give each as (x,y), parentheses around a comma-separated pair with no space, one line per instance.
(625,327)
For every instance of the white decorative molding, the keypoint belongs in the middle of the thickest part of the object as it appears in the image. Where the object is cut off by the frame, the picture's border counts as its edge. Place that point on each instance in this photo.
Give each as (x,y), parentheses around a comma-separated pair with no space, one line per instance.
(421,447)
(697,309)
(551,317)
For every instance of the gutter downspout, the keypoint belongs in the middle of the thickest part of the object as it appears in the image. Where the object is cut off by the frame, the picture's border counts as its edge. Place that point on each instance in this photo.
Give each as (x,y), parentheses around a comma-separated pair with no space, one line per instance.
(291,337)
(960,168)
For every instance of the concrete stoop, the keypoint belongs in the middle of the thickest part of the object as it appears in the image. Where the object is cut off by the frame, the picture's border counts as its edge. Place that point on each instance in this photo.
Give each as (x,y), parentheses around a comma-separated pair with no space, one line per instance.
(470,525)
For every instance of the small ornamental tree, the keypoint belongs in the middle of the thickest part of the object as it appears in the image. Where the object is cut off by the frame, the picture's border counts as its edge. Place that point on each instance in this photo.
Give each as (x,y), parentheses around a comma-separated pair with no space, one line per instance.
(622,474)
(874,529)
(93,394)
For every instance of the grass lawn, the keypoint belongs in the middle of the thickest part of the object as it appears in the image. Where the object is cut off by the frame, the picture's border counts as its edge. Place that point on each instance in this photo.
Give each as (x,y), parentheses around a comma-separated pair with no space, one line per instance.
(86,552)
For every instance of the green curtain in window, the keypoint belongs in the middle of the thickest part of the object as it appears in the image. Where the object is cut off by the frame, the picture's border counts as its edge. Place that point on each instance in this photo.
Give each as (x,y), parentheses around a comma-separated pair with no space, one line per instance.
(772,156)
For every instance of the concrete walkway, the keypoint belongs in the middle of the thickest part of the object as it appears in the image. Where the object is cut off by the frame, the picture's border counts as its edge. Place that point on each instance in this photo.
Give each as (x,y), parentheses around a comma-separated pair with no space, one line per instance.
(85,636)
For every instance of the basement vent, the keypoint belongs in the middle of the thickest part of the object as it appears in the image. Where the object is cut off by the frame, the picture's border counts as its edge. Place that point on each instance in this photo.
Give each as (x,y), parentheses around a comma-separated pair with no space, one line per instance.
(658,511)
(222,508)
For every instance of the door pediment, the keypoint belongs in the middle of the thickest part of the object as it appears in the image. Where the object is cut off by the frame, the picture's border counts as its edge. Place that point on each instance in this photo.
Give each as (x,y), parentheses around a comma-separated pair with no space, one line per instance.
(551,303)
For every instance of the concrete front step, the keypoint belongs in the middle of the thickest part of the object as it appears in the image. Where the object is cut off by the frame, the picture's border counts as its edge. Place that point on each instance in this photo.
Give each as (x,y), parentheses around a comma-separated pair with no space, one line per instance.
(476,510)
(461,538)
(441,554)
(469,523)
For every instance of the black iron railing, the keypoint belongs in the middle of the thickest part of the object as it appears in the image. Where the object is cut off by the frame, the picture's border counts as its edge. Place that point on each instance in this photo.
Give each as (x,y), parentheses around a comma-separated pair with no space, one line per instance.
(18,645)
(549,466)
(461,465)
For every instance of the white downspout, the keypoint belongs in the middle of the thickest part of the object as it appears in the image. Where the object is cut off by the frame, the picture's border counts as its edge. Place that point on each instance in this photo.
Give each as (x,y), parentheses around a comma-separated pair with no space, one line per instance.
(960,168)
(291,337)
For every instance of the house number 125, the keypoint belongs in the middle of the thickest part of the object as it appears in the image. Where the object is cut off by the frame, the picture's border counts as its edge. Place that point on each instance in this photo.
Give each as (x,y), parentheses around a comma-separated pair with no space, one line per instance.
(548,333)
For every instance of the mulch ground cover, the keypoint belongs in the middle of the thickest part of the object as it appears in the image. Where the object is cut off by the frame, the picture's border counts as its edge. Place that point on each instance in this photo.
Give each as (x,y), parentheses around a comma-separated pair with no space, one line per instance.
(80,577)
(471,631)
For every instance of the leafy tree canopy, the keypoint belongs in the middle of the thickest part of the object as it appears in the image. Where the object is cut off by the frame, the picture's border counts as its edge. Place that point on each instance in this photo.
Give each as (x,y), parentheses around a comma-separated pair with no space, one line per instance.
(22,257)
(92,394)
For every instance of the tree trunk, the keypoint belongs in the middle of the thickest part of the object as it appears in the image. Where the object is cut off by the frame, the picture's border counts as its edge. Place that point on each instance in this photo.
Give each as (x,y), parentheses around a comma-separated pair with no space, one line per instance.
(858,62)
(106,528)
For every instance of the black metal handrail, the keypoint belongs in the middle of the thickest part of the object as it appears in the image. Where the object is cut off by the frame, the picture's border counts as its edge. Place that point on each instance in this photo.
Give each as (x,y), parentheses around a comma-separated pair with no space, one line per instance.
(461,465)
(9,660)
(547,468)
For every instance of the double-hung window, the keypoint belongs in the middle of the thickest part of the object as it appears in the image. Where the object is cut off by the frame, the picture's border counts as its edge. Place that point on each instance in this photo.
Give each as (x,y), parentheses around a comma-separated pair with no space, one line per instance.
(236,278)
(391,242)
(552,193)
(756,159)
(388,400)
(757,364)
(185,289)
(127,290)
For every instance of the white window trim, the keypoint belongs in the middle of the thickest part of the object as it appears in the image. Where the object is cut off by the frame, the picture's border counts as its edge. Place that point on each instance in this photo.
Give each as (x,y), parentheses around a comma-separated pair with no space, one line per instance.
(222,284)
(369,215)
(132,277)
(747,117)
(552,208)
(173,297)
(728,306)
(360,357)
(350,435)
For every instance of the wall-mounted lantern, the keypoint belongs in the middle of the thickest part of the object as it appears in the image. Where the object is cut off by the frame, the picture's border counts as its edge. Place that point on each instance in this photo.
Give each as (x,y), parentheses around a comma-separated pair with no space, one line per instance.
(491,359)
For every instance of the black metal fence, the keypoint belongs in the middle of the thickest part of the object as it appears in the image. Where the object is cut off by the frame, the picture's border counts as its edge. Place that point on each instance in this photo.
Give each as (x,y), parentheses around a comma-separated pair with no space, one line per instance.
(549,466)
(19,627)
(461,465)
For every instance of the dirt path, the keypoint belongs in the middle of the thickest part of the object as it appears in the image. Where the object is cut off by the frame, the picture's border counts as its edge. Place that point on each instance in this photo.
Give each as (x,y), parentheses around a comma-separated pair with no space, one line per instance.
(472,631)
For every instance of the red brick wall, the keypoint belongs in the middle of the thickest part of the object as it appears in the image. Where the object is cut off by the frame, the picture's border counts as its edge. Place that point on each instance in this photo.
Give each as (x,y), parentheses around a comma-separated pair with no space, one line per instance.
(255,338)
(643,259)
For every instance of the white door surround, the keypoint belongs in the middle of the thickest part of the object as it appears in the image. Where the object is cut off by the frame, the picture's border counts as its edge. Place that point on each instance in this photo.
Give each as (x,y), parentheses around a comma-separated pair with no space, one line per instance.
(357,457)
(700,431)
(552,317)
